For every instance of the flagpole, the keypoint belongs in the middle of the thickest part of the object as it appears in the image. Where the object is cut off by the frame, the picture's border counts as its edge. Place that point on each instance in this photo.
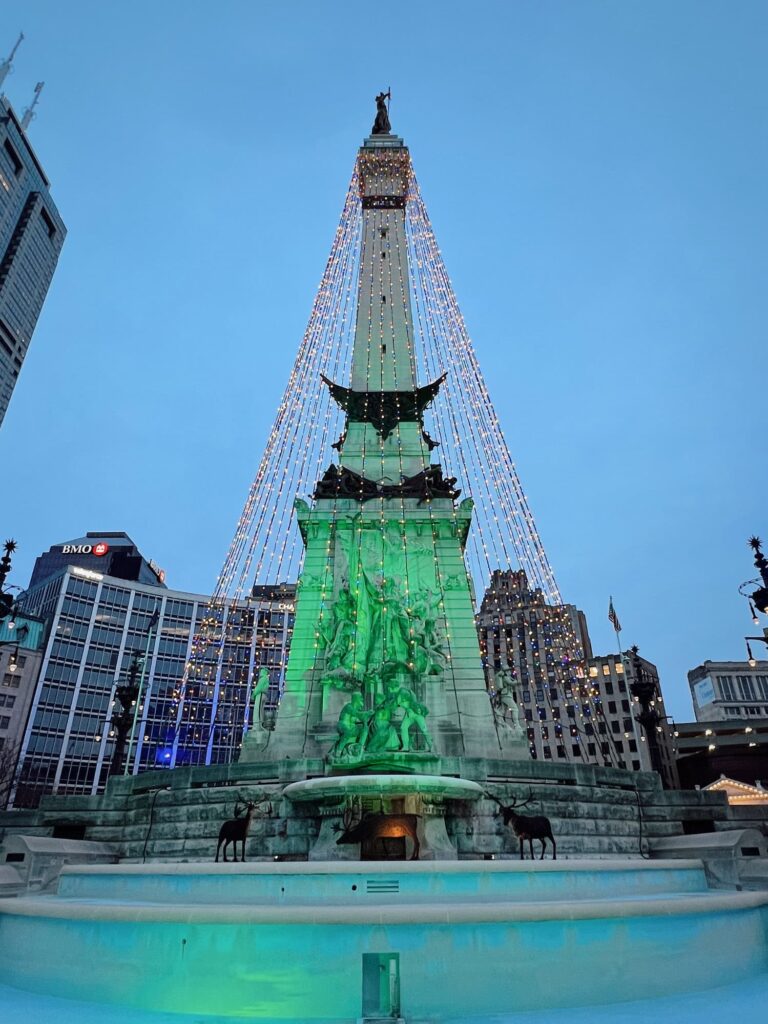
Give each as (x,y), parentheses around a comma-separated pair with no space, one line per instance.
(616,628)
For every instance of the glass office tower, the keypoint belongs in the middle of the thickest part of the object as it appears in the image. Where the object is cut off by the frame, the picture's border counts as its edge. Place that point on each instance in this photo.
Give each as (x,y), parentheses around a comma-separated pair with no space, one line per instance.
(97,624)
(31,236)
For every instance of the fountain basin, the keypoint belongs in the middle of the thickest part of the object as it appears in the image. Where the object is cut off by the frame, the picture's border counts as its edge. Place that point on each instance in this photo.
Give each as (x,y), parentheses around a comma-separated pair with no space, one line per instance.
(464,942)
(430,787)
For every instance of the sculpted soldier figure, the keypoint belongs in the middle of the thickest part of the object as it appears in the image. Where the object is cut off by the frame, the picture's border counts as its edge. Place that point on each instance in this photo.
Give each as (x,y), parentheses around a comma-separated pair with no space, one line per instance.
(505,709)
(352,726)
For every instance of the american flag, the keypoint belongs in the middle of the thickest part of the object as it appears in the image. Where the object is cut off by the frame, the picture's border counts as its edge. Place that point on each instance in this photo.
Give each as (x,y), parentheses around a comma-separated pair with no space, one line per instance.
(613,617)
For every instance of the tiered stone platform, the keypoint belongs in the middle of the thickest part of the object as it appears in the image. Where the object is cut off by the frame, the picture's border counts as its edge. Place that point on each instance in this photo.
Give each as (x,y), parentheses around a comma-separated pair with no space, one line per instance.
(175,816)
(465,940)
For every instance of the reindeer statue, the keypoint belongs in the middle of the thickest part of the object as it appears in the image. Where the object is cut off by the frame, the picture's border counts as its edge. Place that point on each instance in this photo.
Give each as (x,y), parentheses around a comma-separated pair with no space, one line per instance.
(361,827)
(526,826)
(236,830)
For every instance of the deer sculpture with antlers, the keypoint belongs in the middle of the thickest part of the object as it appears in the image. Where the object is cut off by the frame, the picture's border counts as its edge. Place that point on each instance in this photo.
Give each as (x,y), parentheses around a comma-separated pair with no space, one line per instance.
(527,826)
(236,830)
(361,827)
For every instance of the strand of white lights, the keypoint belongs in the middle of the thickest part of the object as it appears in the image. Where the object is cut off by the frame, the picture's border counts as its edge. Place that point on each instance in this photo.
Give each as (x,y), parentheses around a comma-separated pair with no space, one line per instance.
(471,435)
(307,394)
(541,571)
(262,491)
(313,444)
(452,422)
(430,260)
(427,259)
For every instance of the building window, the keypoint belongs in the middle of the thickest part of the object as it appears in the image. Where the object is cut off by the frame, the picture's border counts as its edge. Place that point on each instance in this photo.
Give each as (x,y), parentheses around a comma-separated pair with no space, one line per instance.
(612,707)
(13,156)
(609,687)
(727,689)
(636,765)
(593,672)
(11,679)
(50,227)
(619,668)
(5,721)
(606,670)
(7,700)
(746,688)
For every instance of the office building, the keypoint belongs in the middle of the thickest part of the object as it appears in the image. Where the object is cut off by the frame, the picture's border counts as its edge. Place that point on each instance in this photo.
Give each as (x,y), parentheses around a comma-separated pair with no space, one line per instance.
(617,735)
(31,236)
(111,554)
(97,625)
(575,707)
(729,689)
(541,647)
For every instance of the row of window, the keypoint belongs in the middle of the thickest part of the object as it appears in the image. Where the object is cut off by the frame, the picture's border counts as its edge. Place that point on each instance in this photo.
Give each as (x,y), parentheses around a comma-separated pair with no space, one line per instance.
(743,687)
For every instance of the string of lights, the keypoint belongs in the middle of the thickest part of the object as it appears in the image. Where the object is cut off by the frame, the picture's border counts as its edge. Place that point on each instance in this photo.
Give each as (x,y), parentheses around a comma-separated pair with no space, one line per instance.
(267,549)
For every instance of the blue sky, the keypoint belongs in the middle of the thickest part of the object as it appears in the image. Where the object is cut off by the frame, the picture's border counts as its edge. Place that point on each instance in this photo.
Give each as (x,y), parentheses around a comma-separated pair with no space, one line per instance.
(595,172)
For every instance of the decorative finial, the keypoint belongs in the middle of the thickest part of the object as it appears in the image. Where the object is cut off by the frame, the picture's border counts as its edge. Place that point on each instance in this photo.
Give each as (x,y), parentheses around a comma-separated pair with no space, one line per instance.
(6,66)
(381,125)
(29,114)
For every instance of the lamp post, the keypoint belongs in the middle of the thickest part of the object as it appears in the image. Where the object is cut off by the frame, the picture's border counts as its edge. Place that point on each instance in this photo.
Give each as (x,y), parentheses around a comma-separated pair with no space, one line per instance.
(126,694)
(644,689)
(8,606)
(758,599)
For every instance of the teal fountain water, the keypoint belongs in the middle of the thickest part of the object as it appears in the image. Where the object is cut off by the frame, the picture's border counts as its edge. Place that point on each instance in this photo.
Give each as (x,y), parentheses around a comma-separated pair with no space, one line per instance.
(339,942)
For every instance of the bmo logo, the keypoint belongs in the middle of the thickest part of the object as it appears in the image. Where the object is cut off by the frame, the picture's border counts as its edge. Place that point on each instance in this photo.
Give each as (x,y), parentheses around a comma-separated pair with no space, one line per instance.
(99,549)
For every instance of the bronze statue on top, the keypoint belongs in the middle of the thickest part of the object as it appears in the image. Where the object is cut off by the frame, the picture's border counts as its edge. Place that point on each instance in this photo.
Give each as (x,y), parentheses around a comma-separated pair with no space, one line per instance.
(381,125)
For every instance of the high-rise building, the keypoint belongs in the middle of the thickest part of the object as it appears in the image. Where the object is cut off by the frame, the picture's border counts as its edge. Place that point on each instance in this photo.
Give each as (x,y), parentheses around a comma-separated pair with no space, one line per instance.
(616,735)
(97,624)
(541,647)
(576,707)
(31,236)
(111,554)
(729,689)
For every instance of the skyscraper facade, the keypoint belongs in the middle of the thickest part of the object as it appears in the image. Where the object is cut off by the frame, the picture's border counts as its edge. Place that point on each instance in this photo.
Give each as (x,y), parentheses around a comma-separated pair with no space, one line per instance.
(729,689)
(97,625)
(540,647)
(31,236)
(575,707)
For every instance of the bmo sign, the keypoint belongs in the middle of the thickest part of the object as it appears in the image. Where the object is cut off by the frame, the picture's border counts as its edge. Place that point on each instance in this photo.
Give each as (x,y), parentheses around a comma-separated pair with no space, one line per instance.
(85,549)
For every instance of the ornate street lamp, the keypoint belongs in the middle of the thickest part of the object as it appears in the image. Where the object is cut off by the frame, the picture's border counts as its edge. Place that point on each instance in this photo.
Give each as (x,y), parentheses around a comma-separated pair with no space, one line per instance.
(643,688)
(758,599)
(126,695)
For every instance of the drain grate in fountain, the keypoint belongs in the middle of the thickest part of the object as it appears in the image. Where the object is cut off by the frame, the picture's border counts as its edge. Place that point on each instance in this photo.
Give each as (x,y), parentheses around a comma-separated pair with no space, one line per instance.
(379,885)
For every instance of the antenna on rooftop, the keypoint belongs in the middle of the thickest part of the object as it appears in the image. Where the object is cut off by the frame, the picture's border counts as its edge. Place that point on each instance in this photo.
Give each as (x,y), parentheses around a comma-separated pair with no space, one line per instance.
(29,114)
(6,66)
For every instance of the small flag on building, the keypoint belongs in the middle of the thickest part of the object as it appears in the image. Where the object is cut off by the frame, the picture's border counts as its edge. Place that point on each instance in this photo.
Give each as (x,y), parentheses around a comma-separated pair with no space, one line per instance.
(614,618)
